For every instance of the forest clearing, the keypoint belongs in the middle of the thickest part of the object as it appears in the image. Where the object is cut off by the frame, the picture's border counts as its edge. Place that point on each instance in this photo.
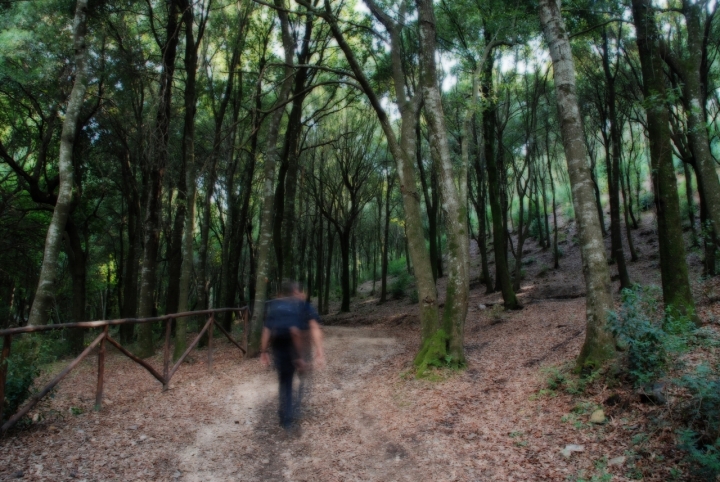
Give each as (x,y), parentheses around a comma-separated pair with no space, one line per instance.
(496,222)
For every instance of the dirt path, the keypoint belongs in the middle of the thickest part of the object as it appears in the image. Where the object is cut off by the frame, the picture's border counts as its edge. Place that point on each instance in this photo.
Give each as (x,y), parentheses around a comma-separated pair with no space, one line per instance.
(246,443)
(367,418)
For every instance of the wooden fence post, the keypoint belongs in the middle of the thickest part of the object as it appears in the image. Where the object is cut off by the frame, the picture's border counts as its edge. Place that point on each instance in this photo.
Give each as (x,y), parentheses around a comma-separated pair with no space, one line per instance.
(3,371)
(166,354)
(101,371)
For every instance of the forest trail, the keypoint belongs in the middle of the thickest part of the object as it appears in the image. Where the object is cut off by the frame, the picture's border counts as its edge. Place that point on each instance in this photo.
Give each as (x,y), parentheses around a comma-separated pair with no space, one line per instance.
(246,443)
(367,418)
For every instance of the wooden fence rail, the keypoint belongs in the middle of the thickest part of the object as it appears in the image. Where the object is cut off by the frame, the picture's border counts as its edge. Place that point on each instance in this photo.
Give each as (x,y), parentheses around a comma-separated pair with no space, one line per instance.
(102,338)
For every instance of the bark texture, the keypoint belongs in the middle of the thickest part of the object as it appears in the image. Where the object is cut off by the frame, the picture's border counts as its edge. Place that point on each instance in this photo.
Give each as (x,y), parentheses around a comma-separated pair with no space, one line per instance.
(453,200)
(598,345)
(673,267)
(188,153)
(45,294)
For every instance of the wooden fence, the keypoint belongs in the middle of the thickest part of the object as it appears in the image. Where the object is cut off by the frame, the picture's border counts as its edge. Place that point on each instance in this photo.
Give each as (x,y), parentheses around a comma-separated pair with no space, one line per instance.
(102,338)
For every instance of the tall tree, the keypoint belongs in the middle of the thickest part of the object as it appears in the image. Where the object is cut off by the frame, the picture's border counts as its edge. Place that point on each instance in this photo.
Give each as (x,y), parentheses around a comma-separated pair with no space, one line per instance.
(42,304)
(155,172)
(598,345)
(453,202)
(268,192)
(673,265)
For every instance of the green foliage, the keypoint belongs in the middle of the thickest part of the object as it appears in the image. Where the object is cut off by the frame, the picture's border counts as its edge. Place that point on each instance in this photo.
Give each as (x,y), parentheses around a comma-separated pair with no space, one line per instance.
(21,373)
(647,200)
(654,343)
(397,266)
(28,355)
(705,458)
(562,378)
(400,285)
(651,341)
(414,297)
(537,228)
(600,474)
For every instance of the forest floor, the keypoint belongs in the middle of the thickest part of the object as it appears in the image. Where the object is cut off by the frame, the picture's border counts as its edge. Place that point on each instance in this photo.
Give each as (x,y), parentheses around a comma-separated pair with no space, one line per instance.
(367,418)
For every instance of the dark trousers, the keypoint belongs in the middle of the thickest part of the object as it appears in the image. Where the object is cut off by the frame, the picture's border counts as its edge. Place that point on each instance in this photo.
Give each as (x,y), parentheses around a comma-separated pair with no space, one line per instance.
(286,372)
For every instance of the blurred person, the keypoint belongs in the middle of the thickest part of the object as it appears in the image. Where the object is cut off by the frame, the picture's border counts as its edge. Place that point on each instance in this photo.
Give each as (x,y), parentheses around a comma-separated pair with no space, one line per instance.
(291,329)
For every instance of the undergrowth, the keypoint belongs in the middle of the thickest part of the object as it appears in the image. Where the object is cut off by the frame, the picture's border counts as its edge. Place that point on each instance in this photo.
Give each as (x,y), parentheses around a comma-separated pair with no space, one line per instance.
(29,353)
(660,350)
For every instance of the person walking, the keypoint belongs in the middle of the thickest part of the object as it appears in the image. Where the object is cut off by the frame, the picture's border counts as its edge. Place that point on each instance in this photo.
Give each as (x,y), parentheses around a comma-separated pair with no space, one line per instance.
(292,329)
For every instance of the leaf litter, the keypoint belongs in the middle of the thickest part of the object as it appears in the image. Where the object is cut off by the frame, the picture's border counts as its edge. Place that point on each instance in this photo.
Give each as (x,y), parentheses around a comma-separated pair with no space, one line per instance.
(366,417)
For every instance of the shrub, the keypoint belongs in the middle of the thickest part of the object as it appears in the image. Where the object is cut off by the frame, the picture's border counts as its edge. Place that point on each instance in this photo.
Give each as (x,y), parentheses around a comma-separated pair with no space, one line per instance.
(21,373)
(654,343)
(28,354)
(400,285)
(651,342)
(647,200)
(397,266)
(705,458)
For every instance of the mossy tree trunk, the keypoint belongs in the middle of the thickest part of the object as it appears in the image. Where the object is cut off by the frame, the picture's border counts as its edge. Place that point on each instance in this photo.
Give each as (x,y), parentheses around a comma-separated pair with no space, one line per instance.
(599,344)
(673,265)
(452,199)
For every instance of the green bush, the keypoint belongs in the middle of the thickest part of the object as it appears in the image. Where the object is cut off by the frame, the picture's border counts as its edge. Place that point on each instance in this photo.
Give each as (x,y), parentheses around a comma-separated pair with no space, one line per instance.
(647,200)
(704,457)
(654,343)
(28,354)
(397,266)
(400,285)
(21,373)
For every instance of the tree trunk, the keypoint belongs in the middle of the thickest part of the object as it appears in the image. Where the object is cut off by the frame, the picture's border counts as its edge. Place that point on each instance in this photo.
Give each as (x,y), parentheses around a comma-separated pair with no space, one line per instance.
(319,257)
(45,293)
(521,231)
(345,248)
(690,202)
(599,344)
(479,162)
(268,192)
(556,252)
(431,203)
(386,239)
(613,165)
(626,210)
(708,243)
(132,260)
(158,163)
(330,241)
(673,266)
(489,118)
(694,98)
(453,205)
